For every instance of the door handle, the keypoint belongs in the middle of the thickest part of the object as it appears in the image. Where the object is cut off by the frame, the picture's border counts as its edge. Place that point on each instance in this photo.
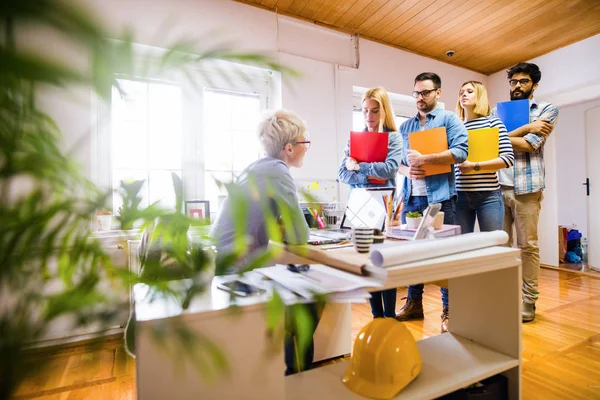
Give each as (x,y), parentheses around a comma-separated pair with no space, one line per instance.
(587,186)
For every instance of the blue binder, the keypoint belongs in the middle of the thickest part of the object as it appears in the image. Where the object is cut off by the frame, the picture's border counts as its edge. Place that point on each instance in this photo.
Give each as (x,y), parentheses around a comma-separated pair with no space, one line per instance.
(514,114)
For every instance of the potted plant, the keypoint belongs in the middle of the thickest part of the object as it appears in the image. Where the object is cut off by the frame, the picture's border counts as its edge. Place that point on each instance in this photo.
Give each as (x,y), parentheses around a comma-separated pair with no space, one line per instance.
(413,219)
(52,265)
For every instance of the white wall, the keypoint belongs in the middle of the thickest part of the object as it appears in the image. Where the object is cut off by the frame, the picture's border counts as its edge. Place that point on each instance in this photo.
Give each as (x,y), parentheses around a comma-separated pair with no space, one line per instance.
(570,75)
(571,165)
(323,96)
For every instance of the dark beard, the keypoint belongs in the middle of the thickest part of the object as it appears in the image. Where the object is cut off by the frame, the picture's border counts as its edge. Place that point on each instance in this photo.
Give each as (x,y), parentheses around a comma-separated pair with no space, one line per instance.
(429,108)
(524,96)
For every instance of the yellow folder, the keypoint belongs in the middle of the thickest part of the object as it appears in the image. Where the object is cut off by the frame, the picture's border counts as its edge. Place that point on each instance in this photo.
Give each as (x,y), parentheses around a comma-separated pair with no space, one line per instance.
(483,146)
(431,141)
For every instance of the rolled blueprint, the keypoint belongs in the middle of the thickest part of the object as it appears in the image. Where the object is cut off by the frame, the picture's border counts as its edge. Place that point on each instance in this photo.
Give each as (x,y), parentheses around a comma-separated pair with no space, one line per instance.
(392,254)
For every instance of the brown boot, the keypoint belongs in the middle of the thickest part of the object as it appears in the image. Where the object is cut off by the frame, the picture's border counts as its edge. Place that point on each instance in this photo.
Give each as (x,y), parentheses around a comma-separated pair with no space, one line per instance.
(445,319)
(412,309)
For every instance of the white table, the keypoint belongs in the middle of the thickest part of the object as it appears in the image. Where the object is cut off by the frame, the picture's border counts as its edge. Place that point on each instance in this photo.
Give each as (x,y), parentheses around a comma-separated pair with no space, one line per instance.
(484,339)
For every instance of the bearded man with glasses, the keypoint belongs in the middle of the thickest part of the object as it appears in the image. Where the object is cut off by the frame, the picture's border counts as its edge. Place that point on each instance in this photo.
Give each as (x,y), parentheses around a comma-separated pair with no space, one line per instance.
(420,190)
(522,184)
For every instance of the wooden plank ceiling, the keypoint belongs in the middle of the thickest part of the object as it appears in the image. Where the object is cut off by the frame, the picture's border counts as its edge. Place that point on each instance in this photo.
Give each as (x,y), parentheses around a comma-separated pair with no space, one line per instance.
(487,35)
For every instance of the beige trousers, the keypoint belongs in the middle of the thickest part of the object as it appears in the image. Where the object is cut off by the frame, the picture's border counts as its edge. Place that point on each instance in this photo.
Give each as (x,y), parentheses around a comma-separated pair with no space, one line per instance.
(524,211)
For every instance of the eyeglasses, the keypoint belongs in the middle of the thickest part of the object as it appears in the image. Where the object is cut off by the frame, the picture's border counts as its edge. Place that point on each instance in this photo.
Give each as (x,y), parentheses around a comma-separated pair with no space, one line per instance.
(513,82)
(298,268)
(423,93)
(306,143)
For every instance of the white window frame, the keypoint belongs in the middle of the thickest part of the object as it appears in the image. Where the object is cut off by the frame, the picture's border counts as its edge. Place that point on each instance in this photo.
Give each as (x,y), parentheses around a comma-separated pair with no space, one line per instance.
(403,105)
(258,80)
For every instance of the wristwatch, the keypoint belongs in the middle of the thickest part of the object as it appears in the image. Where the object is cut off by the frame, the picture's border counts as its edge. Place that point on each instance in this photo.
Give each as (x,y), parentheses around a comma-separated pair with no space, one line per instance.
(477,167)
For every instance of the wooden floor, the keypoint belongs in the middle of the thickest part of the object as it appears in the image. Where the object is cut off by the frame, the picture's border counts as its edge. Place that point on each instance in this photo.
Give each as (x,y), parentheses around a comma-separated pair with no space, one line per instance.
(578,267)
(561,348)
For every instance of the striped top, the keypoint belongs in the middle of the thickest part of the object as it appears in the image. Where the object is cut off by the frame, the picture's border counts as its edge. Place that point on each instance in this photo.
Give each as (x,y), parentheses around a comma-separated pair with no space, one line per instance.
(486,181)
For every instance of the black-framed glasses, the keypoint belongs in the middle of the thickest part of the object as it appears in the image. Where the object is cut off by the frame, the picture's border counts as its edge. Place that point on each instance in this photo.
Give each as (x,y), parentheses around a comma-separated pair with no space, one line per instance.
(513,82)
(306,143)
(423,93)
(298,268)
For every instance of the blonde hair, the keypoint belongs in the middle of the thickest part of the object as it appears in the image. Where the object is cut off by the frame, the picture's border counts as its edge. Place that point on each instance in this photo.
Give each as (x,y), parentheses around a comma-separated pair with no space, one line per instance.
(279,128)
(482,104)
(379,94)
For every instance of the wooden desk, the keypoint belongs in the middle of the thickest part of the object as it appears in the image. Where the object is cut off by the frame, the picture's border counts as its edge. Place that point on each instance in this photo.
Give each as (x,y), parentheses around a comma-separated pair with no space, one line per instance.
(484,336)
(484,339)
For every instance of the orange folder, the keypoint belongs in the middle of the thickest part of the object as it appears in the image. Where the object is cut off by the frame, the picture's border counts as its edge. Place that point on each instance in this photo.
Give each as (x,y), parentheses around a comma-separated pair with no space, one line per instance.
(431,141)
(369,147)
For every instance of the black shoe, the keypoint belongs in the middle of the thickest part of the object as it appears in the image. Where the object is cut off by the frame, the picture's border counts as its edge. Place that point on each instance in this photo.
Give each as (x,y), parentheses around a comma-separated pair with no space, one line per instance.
(445,319)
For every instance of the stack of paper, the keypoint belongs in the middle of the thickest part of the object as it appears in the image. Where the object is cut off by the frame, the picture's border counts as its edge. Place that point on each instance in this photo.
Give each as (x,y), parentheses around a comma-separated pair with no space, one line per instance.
(339,286)
(402,232)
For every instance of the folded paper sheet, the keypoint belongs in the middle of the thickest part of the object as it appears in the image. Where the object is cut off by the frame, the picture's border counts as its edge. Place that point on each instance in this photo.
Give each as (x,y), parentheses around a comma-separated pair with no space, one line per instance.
(321,279)
(391,254)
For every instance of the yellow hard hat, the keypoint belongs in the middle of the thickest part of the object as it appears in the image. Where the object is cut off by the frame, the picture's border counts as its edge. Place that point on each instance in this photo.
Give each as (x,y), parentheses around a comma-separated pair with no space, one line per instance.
(384,361)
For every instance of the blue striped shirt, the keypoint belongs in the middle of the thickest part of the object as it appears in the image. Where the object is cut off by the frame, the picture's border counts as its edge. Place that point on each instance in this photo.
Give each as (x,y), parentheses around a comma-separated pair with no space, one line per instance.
(486,181)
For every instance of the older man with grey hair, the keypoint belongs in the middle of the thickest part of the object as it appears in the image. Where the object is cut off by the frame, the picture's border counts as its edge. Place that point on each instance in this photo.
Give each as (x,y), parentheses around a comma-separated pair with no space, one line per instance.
(241,230)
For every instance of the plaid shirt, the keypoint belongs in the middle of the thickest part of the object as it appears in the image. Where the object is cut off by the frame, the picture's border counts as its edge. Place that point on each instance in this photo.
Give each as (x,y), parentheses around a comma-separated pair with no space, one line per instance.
(528,170)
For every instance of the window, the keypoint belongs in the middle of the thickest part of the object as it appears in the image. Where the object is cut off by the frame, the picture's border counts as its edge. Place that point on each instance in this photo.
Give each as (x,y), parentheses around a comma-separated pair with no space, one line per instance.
(146,139)
(230,121)
(403,106)
(358,121)
(199,130)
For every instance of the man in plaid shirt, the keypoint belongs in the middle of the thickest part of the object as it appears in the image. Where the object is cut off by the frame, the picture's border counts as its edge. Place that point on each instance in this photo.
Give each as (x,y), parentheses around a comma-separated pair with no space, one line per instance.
(522,185)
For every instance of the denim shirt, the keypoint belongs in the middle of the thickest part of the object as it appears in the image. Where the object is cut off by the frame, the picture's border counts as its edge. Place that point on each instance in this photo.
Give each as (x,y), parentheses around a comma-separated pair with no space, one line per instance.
(439,187)
(385,170)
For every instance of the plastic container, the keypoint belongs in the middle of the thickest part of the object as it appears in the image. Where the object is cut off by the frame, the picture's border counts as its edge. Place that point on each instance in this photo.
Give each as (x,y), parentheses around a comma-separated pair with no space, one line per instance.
(584,250)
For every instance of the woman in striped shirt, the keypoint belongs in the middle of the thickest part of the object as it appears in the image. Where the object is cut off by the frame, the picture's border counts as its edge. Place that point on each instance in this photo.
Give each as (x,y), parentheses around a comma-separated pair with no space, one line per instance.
(479,194)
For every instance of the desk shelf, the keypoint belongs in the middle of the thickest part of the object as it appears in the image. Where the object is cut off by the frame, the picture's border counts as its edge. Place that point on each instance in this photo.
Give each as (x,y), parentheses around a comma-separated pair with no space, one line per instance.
(450,362)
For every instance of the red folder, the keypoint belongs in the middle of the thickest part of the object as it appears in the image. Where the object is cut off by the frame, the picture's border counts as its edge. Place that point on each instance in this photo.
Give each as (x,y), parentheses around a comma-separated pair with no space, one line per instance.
(369,147)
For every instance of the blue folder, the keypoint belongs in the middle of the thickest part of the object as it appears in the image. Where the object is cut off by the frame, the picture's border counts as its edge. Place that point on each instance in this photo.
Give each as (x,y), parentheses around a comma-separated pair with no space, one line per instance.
(514,114)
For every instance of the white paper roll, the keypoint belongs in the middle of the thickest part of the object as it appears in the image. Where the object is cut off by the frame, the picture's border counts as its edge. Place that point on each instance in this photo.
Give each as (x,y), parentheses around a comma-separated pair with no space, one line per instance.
(392,254)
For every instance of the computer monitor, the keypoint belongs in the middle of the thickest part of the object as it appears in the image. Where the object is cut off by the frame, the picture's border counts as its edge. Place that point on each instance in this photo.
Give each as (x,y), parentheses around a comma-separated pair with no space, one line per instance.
(366,208)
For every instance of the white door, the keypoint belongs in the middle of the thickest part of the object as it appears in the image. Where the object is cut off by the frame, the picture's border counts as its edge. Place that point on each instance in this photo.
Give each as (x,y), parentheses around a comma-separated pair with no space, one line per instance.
(592,138)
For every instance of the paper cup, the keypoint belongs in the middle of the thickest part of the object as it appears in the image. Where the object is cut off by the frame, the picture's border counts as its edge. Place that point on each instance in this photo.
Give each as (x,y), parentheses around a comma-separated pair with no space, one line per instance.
(438,222)
(362,238)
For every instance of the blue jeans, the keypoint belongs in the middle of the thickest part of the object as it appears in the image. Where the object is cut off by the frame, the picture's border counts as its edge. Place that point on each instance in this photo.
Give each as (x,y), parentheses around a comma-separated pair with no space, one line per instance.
(487,207)
(419,203)
(383,303)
